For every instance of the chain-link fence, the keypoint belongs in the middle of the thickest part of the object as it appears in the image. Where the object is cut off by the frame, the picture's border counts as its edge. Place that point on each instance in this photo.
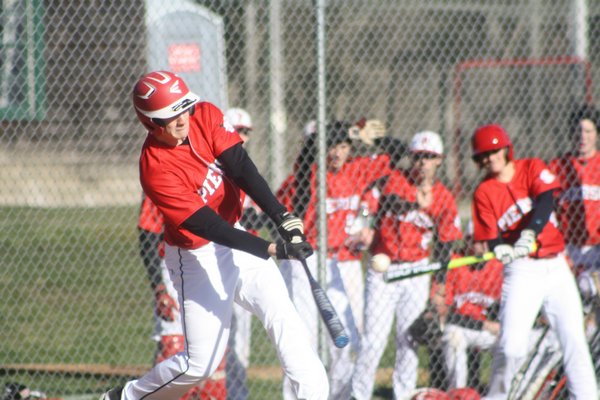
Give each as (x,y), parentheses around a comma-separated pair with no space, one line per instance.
(78,309)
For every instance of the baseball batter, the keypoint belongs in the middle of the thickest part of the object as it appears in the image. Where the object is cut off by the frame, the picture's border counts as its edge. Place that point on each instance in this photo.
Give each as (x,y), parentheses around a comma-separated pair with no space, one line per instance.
(513,215)
(346,179)
(193,168)
(414,207)
(579,200)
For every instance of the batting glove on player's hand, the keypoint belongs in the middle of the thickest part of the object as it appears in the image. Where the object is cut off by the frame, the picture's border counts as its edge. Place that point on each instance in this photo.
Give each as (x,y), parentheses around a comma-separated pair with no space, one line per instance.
(290,227)
(526,243)
(165,306)
(505,253)
(293,251)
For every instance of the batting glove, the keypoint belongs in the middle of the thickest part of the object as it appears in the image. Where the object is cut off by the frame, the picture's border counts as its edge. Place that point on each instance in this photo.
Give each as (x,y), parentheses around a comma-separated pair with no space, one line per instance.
(526,243)
(290,227)
(505,253)
(165,306)
(293,251)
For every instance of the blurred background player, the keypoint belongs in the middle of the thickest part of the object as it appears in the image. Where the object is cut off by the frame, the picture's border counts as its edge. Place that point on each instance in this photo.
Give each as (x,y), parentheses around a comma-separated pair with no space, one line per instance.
(579,204)
(168,332)
(513,214)
(347,176)
(468,308)
(415,210)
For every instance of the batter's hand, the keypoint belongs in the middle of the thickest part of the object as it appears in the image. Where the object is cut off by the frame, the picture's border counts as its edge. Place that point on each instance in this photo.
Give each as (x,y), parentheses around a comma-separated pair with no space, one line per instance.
(526,243)
(293,251)
(505,253)
(290,227)
(165,306)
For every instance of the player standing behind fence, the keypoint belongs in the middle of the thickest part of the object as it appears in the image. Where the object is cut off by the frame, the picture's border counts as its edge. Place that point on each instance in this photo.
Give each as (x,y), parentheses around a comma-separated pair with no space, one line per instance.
(414,207)
(472,297)
(193,168)
(513,215)
(346,179)
(579,202)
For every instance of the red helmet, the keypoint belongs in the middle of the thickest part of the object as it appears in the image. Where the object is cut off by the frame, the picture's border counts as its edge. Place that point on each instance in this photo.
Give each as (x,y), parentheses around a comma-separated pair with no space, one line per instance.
(161,95)
(491,137)
(465,393)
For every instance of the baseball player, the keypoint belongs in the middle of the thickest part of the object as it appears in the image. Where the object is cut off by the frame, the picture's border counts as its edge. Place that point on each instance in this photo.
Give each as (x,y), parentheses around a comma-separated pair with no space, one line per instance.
(579,201)
(469,300)
(168,331)
(414,208)
(347,176)
(193,168)
(513,215)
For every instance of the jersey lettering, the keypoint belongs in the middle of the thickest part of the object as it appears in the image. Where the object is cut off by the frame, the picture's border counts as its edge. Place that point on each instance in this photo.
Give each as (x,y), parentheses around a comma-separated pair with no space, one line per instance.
(473,298)
(583,192)
(514,214)
(341,203)
(211,183)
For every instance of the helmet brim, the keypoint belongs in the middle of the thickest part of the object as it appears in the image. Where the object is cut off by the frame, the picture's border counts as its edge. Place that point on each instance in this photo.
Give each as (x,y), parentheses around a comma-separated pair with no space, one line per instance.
(173,109)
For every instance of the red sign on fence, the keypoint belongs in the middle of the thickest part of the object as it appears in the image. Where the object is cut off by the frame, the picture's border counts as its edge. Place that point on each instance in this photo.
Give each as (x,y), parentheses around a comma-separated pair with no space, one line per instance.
(184,57)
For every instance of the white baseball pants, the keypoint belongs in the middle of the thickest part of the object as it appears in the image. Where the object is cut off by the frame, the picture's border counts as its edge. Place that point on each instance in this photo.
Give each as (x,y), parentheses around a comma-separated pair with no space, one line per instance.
(531,284)
(208,280)
(405,300)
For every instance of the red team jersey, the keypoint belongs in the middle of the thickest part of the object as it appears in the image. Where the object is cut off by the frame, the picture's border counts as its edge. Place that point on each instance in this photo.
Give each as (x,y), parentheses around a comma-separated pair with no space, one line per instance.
(408,236)
(579,198)
(150,219)
(505,208)
(182,179)
(344,189)
(472,291)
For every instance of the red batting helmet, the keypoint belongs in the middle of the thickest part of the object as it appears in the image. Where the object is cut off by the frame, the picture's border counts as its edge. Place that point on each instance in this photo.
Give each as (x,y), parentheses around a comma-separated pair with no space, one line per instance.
(161,95)
(489,138)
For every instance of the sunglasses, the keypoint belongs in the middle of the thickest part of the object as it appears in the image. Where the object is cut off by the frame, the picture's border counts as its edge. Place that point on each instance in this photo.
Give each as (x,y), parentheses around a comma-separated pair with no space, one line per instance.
(424,156)
(478,158)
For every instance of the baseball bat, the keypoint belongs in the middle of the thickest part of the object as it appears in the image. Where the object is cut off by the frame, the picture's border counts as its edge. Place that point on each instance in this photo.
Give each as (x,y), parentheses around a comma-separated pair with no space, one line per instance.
(330,318)
(405,273)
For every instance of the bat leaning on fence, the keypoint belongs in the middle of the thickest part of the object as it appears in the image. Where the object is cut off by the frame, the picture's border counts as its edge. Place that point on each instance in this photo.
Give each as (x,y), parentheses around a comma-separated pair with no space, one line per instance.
(330,318)
(405,273)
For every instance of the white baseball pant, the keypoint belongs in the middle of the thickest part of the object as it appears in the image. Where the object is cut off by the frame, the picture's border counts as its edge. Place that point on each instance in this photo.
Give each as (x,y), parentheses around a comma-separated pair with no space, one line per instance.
(531,284)
(354,283)
(208,280)
(456,341)
(405,300)
(161,326)
(341,361)
(238,354)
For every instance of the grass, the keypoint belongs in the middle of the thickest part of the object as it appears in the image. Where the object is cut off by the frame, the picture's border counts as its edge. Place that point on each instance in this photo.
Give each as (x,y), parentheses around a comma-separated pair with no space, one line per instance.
(74,291)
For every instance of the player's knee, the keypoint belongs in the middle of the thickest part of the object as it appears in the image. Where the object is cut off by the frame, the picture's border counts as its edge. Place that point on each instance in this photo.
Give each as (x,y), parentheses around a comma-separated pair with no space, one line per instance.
(454,339)
(316,386)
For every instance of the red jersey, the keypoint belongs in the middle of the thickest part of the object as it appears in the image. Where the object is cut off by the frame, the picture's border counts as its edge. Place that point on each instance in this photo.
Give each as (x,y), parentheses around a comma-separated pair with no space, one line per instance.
(342,202)
(150,218)
(182,179)
(408,236)
(505,208)
(286,192)
(472,291)
(579,198)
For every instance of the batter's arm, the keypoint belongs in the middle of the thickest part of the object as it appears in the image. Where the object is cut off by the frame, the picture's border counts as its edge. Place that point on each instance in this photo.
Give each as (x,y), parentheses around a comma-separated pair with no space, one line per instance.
(208,224)
(241,169)
(149,242)
(543,206)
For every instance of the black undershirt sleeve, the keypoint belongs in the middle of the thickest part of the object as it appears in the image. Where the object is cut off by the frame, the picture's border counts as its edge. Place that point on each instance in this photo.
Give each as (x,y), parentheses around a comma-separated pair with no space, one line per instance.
(209,225)
(543,206)
(149,242)
(239,167)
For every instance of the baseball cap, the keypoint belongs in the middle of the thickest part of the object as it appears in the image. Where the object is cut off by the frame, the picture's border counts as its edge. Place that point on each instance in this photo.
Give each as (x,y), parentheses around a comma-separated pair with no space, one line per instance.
(426,142)
(239,118)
